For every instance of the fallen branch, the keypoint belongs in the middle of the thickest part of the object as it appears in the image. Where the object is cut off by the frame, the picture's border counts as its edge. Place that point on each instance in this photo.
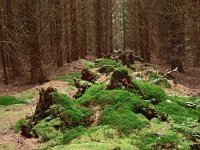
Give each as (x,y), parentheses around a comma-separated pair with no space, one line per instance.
(165,75)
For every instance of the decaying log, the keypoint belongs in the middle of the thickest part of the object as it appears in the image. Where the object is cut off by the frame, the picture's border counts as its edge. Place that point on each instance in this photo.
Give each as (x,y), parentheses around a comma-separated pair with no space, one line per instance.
(151,113)
(81,88)
(45,101)
(88,76)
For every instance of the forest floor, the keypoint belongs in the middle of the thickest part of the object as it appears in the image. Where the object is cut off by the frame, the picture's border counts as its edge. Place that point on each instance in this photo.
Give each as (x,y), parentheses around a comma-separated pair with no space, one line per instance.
(188,85)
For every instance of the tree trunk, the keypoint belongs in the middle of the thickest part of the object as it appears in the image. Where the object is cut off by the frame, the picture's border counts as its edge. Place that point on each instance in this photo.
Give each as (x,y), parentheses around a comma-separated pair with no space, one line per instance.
(83,33)
(58,36)
(74,34)
(99,31)
(144,32)
(11,40)
(2,50)
(37,72)
(110,28)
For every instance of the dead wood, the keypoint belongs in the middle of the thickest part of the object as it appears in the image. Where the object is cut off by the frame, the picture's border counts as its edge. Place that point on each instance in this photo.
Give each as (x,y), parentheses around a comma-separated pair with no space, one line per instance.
(164,76)
(121,80)
(45,101)
(88,76)
(81,88)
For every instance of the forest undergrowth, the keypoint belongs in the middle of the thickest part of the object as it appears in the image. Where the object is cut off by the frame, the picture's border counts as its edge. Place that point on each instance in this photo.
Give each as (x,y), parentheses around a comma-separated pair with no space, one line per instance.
(111,107)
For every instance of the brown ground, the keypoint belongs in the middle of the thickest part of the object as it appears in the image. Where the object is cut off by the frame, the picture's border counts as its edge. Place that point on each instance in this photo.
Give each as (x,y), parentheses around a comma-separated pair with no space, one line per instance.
(188,84)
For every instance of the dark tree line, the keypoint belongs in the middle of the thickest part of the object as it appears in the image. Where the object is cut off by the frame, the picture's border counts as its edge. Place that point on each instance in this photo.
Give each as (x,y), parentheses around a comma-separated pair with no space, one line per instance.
(38,35)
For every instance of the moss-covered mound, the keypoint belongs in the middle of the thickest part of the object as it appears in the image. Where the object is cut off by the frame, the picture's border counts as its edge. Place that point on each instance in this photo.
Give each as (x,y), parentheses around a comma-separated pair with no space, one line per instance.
(105,61)
(133,114)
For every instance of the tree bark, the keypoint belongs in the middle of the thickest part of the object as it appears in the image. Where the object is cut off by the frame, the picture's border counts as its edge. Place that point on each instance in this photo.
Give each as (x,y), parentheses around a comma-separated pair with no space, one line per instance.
(58,36)
(74,34)
(98,18)
(37,72)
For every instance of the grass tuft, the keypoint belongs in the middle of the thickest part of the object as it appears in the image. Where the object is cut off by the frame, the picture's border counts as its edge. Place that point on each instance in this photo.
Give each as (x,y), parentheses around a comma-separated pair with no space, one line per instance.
(10,100)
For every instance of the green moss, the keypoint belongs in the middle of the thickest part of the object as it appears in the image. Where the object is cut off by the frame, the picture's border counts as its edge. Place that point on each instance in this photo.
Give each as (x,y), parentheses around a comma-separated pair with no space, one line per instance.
(18,124)
(68,77)
(106,69)
(118,108)
(124,120)
(72,114)
(48,129)
(151,91)
(10,100)
(88,64)
(177,111)
(73,133)
(151,141)
(104,61)
(162,82)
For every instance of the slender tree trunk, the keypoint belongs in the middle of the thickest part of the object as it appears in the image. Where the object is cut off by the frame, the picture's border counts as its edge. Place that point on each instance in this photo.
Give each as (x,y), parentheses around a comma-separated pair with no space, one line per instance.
(99,31)
(12,49)
(58,36)
(37,72)
(177,35)
(110,28)
(124,26)
(74,34)
(143,32)
(83,34)
(2,50)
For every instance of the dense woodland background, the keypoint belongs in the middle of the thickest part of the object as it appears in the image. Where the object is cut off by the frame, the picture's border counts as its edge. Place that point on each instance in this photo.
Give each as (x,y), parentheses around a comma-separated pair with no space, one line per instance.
(36,35)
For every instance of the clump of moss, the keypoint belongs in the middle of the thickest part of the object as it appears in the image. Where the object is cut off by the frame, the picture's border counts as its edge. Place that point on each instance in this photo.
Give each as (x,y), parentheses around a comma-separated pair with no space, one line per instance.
(18,124)
(162,82)
(118,108)
(71,134)
(125,120)
(105,61)
(88,64)
(106,69)
(68,77)
(151,92)
(171,140)
(177,111)
(49,129)
(10,100)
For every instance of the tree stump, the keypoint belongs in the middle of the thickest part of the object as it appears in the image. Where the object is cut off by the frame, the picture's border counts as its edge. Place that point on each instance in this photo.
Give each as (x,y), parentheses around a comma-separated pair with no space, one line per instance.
(121,80)
(88,76)
(45,101)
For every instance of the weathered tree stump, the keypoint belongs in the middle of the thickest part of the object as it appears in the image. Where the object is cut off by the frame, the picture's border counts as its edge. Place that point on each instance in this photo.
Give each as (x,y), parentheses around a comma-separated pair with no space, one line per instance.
(121,80)
(45,101)
(177,64)
(127,59)
(88,76)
